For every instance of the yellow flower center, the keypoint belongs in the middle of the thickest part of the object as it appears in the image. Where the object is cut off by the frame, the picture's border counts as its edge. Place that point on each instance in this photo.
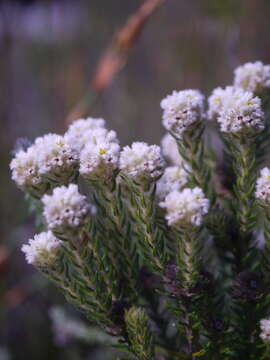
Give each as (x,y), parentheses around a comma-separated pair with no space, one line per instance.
(60,143)
(102,151)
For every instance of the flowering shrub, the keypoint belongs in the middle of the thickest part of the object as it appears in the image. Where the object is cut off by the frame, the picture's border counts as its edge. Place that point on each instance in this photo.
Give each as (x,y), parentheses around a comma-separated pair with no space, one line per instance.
(169,258)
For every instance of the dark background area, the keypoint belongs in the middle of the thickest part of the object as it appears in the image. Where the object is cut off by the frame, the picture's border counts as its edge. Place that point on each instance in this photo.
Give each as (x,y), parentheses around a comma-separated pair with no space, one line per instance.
(48,53)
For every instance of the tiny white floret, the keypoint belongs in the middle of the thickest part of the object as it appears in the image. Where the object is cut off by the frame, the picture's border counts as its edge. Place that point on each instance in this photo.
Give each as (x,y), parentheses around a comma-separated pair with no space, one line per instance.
(99,161)
(42,251)
(174,178)
(65,208)
(85,131)
(241,115)
(252,76)
(56,159)
(25,170)
(182,109)
(142,162)
(263,186)
(185,208)
(221,96)
(265,330)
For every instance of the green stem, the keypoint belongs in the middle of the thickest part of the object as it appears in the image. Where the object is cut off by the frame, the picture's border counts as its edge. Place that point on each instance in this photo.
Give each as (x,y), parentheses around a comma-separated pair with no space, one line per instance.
(189,257)
(121,247)
(244,163)
(64,286)
(192,149)
(245,184)
(151,239)
(266,355)
(266,250)
(69,289)
(139,336)
(80,259)
(191,333)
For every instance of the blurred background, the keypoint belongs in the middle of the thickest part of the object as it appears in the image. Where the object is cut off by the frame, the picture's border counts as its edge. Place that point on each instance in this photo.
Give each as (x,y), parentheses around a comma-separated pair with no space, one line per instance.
(49,51)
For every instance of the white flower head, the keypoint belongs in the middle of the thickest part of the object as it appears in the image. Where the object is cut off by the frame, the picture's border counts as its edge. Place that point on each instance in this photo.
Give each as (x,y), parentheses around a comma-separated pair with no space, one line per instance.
(80,131)
(263,186)
(56,159)
(174,178)
(104,135)
(265,330)
(25,171)
(241,114)
(141,162)
(170,150)
(252,77)
(99,161)
(43,251)
(182,109)
(185,208)
(221,96)
(65,209)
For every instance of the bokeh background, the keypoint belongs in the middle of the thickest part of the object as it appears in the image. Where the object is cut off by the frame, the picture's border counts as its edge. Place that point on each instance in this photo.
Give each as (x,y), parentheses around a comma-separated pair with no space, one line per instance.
(48,54)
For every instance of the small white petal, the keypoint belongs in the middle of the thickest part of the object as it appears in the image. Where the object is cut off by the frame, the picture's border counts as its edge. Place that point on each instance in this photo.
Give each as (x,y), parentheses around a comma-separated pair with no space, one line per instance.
(56,159)
(240,113)
(98,161)
(66,208)
(187,207)
(263,186)
(174,178)
(43,250)
(141,161)
(265,330)
(84,131)
(182,109)
(219,97)
(252,76)
(25,171)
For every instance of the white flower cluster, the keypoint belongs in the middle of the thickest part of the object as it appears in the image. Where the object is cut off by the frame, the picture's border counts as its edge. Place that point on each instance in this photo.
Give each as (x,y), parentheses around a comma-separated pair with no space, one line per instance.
(102,135)
(98,161)
(185,208)
(174,178)
(221,97)
(170,150)
(252,76)
(56,159)
(25,171)
(263,186)
(241,114)
(141,162)
(50,158)
(97,148)
(265,330)
(182,109)
(65,209)
(81,131)
(43,251)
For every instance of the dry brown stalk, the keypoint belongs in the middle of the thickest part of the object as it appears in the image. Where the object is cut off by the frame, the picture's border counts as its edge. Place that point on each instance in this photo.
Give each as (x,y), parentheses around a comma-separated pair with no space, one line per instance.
(115,57)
